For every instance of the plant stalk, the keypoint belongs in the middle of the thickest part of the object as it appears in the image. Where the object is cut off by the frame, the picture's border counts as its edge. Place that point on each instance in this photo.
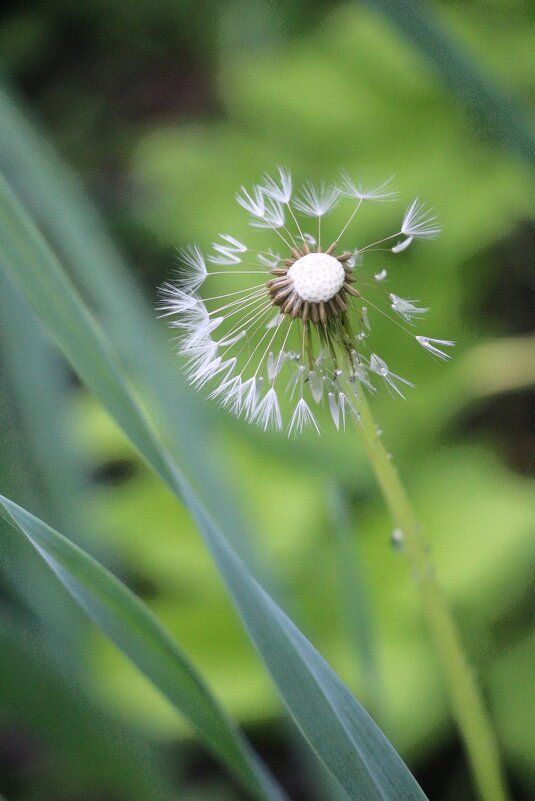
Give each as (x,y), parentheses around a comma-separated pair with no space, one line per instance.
(466,701)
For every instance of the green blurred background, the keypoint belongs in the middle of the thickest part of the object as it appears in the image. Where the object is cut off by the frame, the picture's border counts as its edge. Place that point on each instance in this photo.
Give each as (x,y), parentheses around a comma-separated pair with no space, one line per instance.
(164,109)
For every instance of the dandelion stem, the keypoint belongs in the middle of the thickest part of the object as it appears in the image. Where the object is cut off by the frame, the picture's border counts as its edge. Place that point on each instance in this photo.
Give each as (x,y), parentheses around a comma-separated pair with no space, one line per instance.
(466,702)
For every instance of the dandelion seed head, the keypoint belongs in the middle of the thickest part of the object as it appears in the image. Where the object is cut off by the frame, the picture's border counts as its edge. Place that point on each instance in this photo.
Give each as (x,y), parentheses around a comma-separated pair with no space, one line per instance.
(280,332)
(317,277)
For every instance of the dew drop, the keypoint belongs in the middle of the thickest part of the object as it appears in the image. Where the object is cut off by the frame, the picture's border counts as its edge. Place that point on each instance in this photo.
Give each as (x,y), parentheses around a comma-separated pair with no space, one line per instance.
(271,366)
(396,539)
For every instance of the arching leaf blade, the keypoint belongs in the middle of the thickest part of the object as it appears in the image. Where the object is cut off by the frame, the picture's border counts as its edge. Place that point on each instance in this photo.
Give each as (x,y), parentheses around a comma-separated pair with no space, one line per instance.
(139,634)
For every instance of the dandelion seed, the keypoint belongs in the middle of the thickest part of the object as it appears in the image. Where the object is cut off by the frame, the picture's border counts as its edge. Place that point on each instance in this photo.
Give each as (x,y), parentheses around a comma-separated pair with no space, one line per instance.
(229,252)
(309,240)
(379,366)
(403,245)
(292,335)
(251,390)
(317,201)
(317,385)
(281,191)
(406,308)
(273,321)
(419,222)
(274,365)
(195,273)
(268,259)
(302,418)
(255,204)
(346,408)
(334,409)
(174,300)
(360,373)
(267,414)
(380,191)
(234,396)
(296,381)
(430,345)
(226,389)
(273,216)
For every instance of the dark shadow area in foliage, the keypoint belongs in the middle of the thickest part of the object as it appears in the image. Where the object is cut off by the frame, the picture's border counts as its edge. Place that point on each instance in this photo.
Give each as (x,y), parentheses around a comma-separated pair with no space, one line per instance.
(505,305)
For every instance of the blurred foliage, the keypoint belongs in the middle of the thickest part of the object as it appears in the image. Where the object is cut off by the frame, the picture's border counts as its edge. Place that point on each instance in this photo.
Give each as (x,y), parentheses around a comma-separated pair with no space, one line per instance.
(166,109)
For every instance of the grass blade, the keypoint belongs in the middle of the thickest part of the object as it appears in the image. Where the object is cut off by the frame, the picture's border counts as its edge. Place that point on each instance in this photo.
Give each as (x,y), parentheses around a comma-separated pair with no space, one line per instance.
(339,730)
(499,116)
(137,632)
(44,473)
(51,192)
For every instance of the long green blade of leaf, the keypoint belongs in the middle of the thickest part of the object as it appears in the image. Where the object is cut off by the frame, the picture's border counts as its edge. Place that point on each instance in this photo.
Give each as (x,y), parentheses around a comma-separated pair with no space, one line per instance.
(138,633)
(52,195)
(339,730)
(496,113)
(33,430)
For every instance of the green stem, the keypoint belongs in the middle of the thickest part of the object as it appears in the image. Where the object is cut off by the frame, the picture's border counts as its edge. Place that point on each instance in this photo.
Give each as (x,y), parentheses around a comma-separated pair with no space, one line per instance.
(465,698)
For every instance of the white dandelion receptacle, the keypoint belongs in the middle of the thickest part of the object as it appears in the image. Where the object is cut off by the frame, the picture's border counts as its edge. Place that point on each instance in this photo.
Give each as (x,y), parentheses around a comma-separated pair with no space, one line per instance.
(297,322)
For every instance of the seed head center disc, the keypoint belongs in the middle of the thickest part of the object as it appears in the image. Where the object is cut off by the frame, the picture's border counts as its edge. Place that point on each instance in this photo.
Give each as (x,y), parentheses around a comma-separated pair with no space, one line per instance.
(317,277)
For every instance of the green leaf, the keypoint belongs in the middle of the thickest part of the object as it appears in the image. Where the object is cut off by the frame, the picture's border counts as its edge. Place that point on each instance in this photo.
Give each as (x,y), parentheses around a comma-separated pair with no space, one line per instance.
(137,632)
(52,194)
(495,112)
(39,467)
(337,727)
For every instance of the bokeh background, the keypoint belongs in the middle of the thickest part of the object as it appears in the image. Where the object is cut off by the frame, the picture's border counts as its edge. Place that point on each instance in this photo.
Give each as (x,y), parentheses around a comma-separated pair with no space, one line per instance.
(163,109)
